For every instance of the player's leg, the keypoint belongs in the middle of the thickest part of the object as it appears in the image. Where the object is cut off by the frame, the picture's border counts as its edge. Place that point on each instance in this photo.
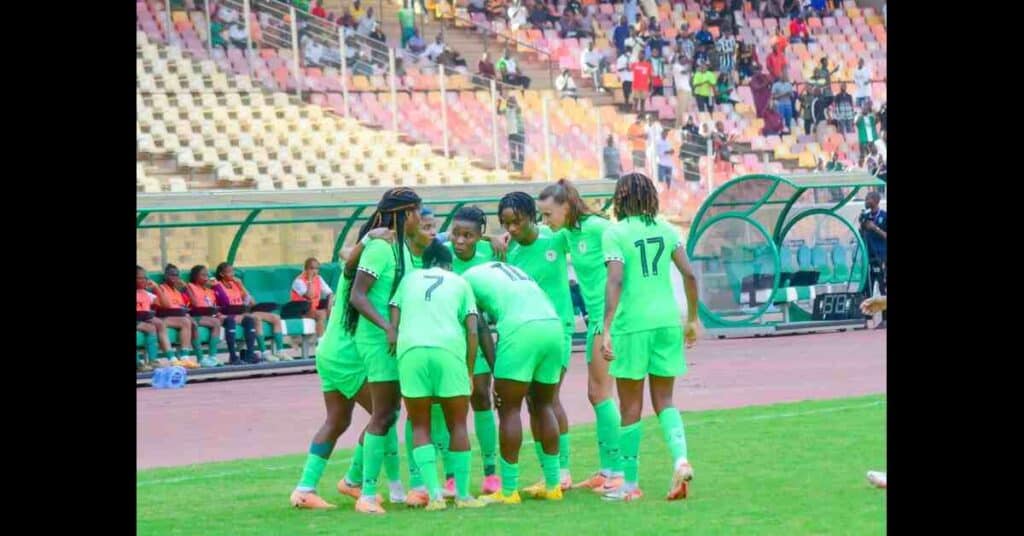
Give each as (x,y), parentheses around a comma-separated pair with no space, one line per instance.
(600,392)
(667,363)
(339,415)
(351,484)
(214,323)
(630,367)
(424,453)
(453,393)
(510,438)
(563,419)
(546,435)
(385,396)
(485,425)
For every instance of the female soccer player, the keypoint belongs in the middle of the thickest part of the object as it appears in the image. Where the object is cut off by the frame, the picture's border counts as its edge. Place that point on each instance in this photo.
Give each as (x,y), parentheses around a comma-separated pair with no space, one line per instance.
(170,296)
(528,360)
(562,207)
(643,337)
(201,294)
(539,252)
(434,314)
(381,268)
(232,292)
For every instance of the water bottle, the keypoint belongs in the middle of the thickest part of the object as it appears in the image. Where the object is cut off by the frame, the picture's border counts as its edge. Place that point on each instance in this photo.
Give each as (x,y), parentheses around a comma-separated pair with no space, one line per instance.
(176,378)
(160,377)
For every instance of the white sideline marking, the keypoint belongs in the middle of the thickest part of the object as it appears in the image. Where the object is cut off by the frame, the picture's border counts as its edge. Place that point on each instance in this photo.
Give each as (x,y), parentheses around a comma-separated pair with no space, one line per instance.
(526,443)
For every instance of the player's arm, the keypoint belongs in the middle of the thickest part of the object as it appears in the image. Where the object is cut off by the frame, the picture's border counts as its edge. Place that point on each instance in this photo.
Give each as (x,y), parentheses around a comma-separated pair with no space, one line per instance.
(472,338)
(612,293)
(361,302)
(690,287)
(486,342)
(352,262)
(396,314)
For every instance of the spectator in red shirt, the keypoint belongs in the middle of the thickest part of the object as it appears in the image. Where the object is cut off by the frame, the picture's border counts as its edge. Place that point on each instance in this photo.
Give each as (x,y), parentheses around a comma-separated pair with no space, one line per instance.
(642,79)
(776,62)
(318,10)
(780,39)
(798,31)
(772,122)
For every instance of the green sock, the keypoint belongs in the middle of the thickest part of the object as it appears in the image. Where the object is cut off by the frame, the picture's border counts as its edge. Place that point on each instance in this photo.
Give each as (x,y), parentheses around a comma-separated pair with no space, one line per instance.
(460,466)
(539,449)
(563,451)
(487,435)
(184,352)
(631,452)
(672,427)
(151,347)
(415,477)
(214,344)
(169,354)
(549,465)
(278,342)
(608,423)
(391,465)
(316,460)
(261,343)
(509,477)
(441,438)
(425,457)
(355,471)
(373,457)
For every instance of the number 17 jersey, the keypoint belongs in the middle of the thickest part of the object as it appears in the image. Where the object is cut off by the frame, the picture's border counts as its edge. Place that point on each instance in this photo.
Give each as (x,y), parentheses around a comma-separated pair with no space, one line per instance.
(645,251)
(508,296)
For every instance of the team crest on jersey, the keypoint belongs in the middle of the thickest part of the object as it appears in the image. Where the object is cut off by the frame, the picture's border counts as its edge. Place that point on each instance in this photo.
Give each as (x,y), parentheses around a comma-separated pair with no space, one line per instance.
(583,247)
(550,255)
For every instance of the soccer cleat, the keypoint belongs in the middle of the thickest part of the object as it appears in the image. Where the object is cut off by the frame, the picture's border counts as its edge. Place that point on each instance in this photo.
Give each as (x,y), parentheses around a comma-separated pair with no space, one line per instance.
(469,502)
(544,494)
(622,495)
(270,358)
(535,489)
(190,363)
(681,482)
(437,504)
(499,498)
(396,497)
(309,500)
(611,484)
(366,506)
(594,482)
(351,490)
(566,482)
(449,489)
(209,362)
(492,483)
(877,479)
(417,498)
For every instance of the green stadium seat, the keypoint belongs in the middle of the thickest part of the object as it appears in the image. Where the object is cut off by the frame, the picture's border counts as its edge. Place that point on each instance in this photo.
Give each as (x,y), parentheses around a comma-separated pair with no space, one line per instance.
(840,264)
(821,263)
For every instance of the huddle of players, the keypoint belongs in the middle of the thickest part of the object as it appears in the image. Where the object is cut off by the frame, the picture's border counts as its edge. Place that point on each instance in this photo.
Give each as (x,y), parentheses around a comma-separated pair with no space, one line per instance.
(417,327)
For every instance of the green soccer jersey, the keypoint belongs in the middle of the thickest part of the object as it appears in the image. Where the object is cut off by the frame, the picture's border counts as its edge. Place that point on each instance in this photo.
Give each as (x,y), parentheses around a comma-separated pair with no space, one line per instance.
(647,300)
(544,261)
(508,296)
(588,260)
(483,254)
(433,304)
(379,259)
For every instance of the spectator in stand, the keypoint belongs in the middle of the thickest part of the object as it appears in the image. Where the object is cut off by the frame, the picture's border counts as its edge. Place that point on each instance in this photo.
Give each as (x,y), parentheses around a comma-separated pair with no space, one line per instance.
(203,308)
(170,297)
(862,79)
(782,95)
(317,10)
(681,81)
(874,163)
(435,49)
(653,131)
(347,20)
(620,34)
(726,47)
(781,40)
(724,89)
(722,142)
(153,327)
(217,35)
(496,9)
(358,11)
(773,124)
(665,164)
(312,52)
(593,64)
(516,15)
(685,45)
(485,68)
(510,72)
(377,35)
(574,7)
(625,75)
(806,102)
(611,159)
(657,72)
(310,287)
(226,14)
(565,85)
(761,89)
(798,32)
(844,111)
(704,88)
(637,135)
(231,292)
(823,76)
(537,15)
(366,24)
(630,9)
(642,73)
(777,62)
(406,21)
(704,40)
(746,60)
(451,59)
(415,47)
(690,128)
(237,36)
(301,5)
(867,128)
(477,6)
(819,8)
(772,8)
(834,165)
(820,107)
(516,134)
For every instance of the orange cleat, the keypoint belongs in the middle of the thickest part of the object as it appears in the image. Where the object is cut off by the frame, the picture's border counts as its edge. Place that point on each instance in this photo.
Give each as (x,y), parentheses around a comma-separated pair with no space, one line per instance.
(594,482)
(417,498)
(345,488)
(366,506)
(309,500)
(681,482)
(611,484)
(625,496)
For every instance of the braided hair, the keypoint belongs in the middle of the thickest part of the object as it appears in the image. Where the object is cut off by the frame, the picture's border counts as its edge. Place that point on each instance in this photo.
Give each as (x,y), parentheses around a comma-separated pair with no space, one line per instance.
(437,254)
(390,213)
(635,195)
(193,274)
(521,203)
(563,192)
(472,214)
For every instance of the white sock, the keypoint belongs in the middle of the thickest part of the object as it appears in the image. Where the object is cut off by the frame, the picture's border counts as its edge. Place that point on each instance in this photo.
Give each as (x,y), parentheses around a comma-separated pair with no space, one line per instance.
(564,473)
(304,489)
(628,486)
(680,462)
(396,488)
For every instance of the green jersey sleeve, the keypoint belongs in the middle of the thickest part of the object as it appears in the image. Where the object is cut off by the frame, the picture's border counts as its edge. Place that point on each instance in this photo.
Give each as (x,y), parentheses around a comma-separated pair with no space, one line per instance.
(610,245)
(376,258)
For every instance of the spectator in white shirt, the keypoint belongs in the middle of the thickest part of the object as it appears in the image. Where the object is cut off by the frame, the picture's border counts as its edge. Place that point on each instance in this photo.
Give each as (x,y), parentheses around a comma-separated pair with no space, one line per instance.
(665,163)
(313,52)
(625,73)
(592,63)
(862,78)
(653,129)
(516,15)
(681,81)
(226,14)
(367,23)
(435,49)
(565,85)
(237,36)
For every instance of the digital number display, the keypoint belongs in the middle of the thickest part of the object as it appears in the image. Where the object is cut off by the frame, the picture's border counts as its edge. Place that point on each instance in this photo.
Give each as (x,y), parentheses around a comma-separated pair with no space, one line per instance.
(839,306)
